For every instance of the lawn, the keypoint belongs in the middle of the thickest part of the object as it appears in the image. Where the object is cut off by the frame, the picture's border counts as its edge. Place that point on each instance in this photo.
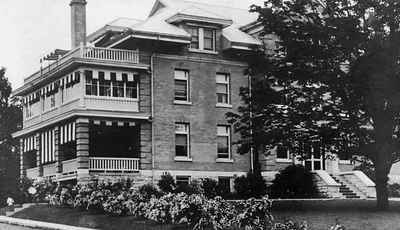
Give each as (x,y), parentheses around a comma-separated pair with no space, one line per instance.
(319,214)
(353,214)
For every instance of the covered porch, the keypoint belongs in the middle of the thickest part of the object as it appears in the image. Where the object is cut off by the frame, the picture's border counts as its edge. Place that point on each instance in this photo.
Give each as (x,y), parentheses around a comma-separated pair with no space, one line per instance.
(84,146)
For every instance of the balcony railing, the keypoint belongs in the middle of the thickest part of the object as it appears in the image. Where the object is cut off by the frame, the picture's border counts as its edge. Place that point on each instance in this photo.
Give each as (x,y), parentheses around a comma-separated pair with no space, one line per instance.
(49,170)
(114,164)
(90,53)
(131,56)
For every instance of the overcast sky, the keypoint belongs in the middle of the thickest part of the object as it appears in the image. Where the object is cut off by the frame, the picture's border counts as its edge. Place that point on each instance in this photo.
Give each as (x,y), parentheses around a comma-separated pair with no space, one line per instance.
(31,29)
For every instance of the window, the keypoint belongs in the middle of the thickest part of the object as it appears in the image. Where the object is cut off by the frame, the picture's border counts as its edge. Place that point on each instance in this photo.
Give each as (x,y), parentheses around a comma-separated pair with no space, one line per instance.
(194,32)
(223,141)
(52,101)
(182,180)
(104,85)
(282,152)
(223,88)
(181,85)
(202,38)
(114,84)
(91,83)
(209,40)
(182,140)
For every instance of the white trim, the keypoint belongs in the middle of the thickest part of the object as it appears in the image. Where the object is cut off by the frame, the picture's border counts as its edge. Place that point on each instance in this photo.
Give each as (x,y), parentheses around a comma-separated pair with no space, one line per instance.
(223,105)
(283,160)
(345,162)
(224,160)
(183,159)
(194,173)
(203,51)
(177,102)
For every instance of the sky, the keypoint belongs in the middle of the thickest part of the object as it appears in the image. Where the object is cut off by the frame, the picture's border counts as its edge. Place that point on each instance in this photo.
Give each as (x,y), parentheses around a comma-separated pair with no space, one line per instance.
(32,29)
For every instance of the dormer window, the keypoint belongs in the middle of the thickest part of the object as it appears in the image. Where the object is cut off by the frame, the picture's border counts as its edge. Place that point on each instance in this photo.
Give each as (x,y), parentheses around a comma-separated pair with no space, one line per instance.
(202,38)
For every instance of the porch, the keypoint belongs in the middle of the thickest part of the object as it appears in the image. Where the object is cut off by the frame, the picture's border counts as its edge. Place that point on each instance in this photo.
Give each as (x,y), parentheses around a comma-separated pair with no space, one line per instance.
(95,147)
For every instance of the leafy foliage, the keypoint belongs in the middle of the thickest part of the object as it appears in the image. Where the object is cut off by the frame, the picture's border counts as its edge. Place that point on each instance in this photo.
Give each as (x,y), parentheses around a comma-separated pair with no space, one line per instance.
(332,76)
(251,185)
(10,121)
(295,181)
(167,183)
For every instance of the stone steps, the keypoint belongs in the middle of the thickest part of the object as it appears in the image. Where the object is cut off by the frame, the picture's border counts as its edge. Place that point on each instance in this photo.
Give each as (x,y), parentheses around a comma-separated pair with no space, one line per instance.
(345,190)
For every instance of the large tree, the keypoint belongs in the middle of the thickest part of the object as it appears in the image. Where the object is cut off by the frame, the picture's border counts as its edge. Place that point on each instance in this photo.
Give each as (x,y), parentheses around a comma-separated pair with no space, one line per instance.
(10,121)
(333,77)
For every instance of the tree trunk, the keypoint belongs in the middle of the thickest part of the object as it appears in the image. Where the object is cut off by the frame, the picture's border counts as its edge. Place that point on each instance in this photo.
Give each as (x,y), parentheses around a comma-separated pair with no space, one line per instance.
(382,168)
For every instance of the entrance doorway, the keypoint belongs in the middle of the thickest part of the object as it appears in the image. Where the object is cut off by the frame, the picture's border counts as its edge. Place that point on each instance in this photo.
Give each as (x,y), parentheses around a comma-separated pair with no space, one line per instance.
(314,158)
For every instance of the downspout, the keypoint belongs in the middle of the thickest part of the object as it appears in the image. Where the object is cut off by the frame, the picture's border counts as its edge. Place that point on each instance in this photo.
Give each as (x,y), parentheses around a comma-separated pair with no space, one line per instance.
(251,125)
(152,117)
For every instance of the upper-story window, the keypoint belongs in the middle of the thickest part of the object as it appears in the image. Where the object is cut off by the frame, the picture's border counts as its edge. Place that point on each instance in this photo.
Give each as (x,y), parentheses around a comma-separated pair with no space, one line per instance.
(202,38)
(111,84)
(181,85)
(223,88)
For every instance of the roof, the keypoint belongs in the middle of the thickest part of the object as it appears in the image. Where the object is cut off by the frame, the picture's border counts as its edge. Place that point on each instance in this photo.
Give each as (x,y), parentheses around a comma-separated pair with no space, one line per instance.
(165,12)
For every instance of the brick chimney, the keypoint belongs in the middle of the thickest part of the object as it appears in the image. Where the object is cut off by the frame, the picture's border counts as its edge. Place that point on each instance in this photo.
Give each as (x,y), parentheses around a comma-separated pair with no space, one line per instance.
(78,23)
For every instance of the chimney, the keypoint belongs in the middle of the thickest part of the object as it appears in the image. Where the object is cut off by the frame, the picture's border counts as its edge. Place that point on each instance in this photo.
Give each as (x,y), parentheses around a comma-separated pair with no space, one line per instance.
(78,23)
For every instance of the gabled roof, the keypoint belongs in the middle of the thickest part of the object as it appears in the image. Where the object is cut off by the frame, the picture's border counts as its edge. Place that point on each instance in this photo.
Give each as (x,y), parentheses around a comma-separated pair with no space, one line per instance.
(164,13)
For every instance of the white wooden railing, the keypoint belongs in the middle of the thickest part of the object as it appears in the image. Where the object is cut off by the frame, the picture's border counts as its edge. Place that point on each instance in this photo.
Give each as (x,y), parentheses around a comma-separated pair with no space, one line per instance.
(69,166)
(32,173)
(114,164)
(111,54)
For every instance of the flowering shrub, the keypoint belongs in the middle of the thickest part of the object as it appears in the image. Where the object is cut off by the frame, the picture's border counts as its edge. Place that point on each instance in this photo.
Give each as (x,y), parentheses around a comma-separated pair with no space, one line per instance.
(255,214)
(118,204)
(148,191)
(158,209)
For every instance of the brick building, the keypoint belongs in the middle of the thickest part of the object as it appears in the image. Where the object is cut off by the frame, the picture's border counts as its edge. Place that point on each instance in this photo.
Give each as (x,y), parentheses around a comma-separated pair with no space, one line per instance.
(142,98)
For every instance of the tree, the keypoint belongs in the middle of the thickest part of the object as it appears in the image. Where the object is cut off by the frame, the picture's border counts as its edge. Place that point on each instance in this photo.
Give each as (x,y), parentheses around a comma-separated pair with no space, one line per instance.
(334,77)
(10,121)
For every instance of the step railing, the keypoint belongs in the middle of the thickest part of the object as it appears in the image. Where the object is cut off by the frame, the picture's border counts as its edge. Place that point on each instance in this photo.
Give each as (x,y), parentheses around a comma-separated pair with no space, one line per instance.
(114,164)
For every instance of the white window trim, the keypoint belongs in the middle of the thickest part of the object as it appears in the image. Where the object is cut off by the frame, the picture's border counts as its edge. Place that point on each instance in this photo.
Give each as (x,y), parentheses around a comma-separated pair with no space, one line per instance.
(228,84)
(187,79)
(229,159)
(201,41)
(187,133)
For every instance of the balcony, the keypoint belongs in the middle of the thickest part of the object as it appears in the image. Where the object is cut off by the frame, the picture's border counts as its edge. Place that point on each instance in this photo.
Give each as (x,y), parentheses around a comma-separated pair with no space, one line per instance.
(32,173)
(93,55)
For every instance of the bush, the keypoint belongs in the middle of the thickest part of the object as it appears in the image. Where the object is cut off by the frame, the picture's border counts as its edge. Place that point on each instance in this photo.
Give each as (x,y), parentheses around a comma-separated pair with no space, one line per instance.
(251,185)
(295,181)
(394,190)
(209,187)
(167,183)
(149,190)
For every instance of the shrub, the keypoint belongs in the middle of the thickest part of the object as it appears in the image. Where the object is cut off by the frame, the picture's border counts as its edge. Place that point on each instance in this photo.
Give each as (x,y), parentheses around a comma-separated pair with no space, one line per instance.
(118,205)
(255,214)
(166,183)
(193,188)
(251,185)
(394,190)
(149,190)
(158,209)
(295,181)
(209,187)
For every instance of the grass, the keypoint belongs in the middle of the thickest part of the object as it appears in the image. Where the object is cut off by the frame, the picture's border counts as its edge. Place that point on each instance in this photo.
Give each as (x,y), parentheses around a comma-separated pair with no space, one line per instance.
(75,217)
(353,214)
(319,214)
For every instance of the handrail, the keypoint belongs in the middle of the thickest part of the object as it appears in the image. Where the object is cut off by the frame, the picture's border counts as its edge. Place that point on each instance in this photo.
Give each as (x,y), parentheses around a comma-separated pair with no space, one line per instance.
(114,164)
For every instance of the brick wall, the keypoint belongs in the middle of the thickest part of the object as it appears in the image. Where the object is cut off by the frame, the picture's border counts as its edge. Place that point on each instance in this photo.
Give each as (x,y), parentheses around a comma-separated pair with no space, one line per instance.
(202,115)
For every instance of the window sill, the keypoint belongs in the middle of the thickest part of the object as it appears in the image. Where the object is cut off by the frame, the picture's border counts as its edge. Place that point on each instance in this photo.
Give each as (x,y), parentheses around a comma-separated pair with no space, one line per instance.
(345,162)
(183,159)
(281,160)
(112,98)
(220,105)
(182,102)
(202,51)
(224,160)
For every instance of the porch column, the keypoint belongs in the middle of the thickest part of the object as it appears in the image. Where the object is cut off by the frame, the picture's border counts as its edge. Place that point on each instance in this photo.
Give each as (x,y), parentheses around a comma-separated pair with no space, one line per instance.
(57,152)
(21,158)
(38,148)
(82,149)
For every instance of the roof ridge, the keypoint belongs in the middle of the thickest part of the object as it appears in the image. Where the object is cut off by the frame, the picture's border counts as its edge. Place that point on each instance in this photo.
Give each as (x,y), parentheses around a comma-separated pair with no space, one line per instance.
(205,10)
(211,4)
